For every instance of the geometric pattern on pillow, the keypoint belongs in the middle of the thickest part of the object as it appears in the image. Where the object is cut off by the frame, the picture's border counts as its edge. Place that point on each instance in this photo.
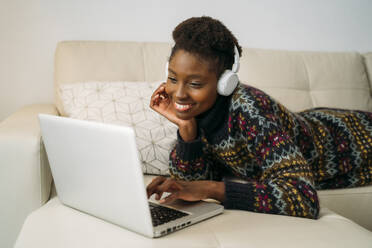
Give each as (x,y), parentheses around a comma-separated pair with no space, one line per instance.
(125,103)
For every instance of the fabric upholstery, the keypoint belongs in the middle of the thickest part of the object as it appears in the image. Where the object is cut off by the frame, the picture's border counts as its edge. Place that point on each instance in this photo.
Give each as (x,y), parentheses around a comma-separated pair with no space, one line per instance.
(354,203)
(25,178)
(368,64)
(97,61)
(300,80)
(155,56)
(303,80)
(125,103)
(55,225)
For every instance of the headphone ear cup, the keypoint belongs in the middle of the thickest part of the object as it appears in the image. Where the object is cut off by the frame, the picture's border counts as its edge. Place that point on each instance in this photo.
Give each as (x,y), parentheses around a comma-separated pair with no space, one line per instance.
(227,83)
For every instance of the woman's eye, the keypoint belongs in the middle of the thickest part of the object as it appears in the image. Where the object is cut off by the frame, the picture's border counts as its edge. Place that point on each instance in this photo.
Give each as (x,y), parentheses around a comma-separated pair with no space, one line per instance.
(195,84)
(173,80)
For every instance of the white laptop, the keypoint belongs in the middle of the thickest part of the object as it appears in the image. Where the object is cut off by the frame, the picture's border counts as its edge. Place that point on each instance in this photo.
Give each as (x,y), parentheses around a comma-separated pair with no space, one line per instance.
(96,169)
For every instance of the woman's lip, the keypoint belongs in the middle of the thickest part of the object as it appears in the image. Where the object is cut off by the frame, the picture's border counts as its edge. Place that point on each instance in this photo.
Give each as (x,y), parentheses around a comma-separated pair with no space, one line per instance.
(182,106)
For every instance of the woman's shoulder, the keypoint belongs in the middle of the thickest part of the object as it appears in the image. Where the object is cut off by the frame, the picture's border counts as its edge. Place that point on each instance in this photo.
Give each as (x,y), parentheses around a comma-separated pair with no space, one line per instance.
(249,89)
(249,98)
(256,107)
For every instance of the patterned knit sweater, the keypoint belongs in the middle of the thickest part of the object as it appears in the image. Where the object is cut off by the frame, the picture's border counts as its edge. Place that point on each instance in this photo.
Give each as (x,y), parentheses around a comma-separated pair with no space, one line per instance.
(282,157)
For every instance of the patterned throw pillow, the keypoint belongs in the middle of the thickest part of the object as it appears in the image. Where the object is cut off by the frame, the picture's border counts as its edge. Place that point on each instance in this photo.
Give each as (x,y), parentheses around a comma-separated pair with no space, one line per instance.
(125,103)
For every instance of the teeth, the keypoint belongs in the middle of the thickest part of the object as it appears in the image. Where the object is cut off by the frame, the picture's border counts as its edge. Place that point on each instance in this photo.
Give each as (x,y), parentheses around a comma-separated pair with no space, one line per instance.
(182,107)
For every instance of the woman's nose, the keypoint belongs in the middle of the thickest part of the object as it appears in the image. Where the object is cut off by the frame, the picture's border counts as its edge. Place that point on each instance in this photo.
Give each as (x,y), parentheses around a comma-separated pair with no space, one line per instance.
(181,92)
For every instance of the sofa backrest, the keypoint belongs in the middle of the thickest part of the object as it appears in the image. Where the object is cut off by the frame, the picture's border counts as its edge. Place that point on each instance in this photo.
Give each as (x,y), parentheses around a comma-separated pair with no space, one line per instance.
(368,64)
(299,80)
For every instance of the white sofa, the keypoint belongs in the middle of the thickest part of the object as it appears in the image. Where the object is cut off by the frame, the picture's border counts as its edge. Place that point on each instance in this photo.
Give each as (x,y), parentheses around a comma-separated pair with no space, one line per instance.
(299,80)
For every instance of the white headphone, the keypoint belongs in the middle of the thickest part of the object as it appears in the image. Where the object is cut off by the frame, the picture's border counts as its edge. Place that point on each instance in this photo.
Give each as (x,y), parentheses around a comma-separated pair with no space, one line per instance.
(229,79)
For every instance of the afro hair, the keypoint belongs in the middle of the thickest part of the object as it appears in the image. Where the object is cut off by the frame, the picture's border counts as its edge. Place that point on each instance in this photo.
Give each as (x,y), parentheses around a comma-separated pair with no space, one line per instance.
(208,39)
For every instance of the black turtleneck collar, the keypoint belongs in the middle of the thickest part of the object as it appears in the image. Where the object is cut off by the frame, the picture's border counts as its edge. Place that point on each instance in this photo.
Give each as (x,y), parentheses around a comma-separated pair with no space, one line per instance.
(213,118)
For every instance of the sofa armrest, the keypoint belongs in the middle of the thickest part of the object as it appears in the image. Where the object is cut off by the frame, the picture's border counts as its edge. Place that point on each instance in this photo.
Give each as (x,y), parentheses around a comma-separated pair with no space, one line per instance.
(25,177)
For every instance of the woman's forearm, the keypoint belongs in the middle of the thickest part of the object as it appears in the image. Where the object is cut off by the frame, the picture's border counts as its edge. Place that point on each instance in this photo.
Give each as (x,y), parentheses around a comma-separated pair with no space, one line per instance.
(188,131)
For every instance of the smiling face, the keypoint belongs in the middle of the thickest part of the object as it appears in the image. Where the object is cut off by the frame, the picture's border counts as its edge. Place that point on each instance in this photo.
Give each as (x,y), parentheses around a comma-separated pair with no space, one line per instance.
(191,85)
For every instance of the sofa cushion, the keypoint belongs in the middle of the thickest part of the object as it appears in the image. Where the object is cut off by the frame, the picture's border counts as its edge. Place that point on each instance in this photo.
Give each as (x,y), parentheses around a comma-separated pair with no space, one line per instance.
(55,225)
(155,56)
(300,80)
(303,80)
(78,61)
(368,62)
(352,203)
(125,103)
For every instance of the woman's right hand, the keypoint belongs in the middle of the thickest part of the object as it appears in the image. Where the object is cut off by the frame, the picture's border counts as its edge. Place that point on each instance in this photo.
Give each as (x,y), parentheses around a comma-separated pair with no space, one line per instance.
(161,103)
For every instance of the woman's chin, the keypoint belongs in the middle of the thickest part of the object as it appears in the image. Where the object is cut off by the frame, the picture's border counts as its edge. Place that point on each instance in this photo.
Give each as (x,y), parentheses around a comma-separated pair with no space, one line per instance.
(184,115)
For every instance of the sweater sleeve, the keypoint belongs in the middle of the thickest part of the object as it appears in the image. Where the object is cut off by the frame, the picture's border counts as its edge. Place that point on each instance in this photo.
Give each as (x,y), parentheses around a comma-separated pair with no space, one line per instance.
(188,161)
(285,184)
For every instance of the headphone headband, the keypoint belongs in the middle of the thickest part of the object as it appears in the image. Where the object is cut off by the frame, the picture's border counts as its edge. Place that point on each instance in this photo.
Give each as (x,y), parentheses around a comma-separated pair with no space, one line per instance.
(236,65)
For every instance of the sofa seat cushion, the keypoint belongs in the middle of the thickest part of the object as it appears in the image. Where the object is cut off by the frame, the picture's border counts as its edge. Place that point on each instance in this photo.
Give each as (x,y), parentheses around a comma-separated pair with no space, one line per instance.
(353,203)
(55,225)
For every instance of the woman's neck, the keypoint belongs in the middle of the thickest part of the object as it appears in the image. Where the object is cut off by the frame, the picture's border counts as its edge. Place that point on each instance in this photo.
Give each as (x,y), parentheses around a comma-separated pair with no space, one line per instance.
(213,118)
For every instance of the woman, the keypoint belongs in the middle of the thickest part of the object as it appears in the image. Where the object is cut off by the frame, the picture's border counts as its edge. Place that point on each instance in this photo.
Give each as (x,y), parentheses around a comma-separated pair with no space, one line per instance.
(281,157)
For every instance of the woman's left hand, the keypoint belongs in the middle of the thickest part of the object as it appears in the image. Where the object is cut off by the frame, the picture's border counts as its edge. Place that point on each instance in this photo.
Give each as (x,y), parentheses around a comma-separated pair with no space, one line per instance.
(185,190)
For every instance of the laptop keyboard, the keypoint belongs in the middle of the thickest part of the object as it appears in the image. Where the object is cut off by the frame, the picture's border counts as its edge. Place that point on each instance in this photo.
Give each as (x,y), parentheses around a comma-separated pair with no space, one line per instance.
(161,215)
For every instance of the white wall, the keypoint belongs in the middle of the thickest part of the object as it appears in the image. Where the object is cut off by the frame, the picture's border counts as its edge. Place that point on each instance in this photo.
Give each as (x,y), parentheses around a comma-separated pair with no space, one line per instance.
(30,29)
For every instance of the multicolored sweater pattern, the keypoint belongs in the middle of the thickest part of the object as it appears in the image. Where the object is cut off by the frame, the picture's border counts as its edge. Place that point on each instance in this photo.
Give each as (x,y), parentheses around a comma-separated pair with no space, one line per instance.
(281,157)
